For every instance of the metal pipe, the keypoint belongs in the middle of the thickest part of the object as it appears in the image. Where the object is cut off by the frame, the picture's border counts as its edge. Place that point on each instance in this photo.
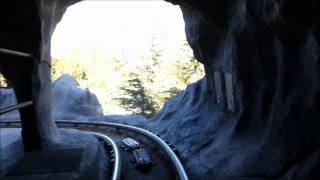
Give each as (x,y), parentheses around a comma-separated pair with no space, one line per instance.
(15,53)
(15,107)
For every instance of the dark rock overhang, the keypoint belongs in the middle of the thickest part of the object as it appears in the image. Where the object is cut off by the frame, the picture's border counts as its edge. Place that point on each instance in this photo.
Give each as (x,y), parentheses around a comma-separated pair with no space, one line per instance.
(268,50)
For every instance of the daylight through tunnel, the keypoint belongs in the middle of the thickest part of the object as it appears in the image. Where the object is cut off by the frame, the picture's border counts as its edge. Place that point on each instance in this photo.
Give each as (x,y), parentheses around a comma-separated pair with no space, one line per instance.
(255,114)
(131,55)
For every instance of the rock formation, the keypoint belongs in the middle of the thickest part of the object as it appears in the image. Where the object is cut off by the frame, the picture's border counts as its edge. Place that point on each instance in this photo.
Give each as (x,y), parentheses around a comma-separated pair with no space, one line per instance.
(72,102)
(69,101)
(254,116)
(268,128)
(22,30)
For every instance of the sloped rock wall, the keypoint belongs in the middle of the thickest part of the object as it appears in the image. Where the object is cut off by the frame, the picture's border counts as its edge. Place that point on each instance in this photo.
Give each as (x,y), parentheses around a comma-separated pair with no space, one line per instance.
(270,49)
(254,116)
(69,101)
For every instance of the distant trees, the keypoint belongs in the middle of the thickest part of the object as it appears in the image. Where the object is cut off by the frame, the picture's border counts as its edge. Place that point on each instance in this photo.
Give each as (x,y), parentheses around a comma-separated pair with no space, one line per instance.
(73,66)
(157,81)
(134,98)
(187,68)
(124,87)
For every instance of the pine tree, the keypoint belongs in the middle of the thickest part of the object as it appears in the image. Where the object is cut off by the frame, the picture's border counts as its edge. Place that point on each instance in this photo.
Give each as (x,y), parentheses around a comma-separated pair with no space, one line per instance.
(135,98)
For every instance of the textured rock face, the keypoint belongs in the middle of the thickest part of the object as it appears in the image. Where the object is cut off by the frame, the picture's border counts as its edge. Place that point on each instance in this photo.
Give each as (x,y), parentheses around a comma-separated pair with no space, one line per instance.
(21,31)
(93,163)
(70,101)
(27,27)
(254,116)
(8,98)
(271,50)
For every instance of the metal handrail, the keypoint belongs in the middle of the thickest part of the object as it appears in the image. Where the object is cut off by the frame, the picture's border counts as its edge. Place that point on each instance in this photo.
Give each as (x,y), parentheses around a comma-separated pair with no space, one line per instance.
(117,162)
(15,107)
(15,53)
(173,157)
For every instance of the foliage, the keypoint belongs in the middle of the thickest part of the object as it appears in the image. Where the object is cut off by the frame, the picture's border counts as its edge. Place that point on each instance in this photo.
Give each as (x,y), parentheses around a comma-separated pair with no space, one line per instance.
(126,88)
(187,67)
(135,98)
(3,81)
(73,66)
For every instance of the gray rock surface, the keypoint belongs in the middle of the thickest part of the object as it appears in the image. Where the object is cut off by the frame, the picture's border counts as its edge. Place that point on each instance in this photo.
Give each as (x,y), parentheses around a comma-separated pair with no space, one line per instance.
(11,149)
(271,49)
(8,98)
(22,30)
(70,101)
(94,163)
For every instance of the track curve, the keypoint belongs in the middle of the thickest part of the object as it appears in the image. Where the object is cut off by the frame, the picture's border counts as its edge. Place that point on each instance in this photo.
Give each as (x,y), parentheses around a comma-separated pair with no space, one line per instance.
(117,161)
(161,143)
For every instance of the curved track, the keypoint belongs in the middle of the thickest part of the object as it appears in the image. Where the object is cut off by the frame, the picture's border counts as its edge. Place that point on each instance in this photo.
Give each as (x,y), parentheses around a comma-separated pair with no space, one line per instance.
(116,153)
(96,127)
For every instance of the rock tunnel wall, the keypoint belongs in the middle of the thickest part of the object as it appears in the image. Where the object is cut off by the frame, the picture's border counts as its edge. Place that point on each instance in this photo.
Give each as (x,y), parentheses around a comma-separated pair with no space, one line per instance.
(265,123)
(256,113)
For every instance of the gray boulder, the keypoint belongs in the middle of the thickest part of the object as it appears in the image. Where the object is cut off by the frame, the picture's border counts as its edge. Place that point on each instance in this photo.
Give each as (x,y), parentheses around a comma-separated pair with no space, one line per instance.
(8,98)
(70,101)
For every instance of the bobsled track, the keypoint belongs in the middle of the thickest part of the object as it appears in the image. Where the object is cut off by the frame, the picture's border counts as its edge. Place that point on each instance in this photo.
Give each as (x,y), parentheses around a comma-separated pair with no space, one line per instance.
(166,164)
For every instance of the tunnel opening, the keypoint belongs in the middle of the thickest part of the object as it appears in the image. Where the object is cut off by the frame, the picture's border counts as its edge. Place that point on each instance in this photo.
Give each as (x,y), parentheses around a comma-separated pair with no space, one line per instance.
(260,57)
(131,55)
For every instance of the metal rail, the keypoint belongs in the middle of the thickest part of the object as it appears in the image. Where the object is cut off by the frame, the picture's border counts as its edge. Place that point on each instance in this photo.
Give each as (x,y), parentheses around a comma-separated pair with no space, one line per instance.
(117,161)
(15,53)
(15,107)
(176,162)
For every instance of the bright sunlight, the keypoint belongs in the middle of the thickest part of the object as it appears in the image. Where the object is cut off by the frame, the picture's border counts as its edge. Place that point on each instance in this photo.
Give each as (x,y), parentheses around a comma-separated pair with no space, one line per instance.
(132,54)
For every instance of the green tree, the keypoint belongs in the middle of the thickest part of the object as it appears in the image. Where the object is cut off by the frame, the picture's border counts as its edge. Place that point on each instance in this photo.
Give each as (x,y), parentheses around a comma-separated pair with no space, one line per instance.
(144,87)
(135,98)
(152,62)
(73,68)
(188,69)
(170,93)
